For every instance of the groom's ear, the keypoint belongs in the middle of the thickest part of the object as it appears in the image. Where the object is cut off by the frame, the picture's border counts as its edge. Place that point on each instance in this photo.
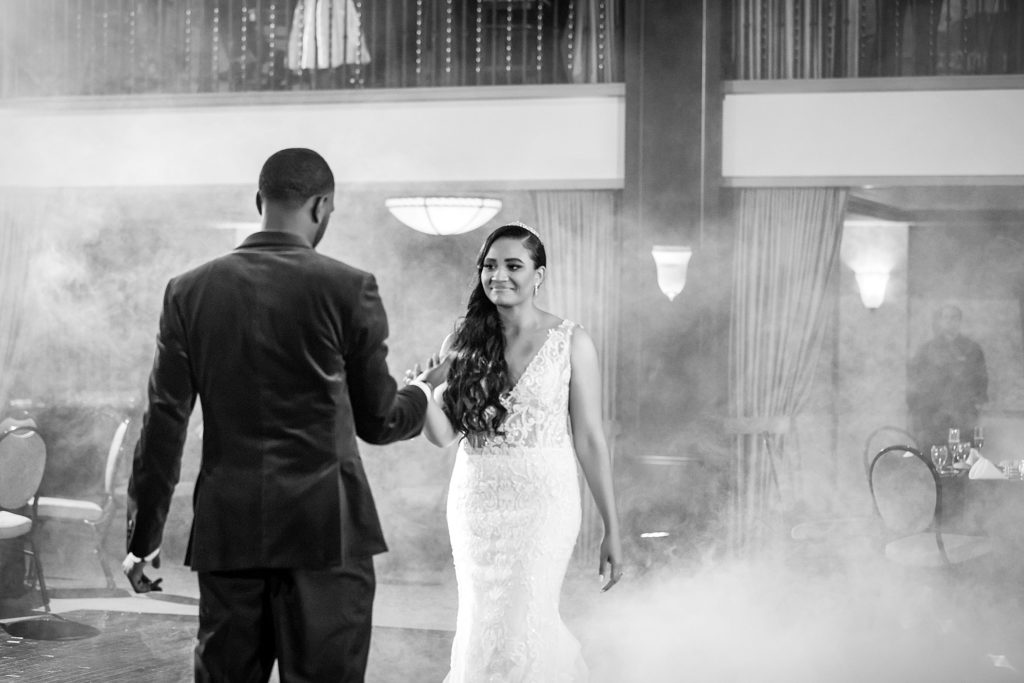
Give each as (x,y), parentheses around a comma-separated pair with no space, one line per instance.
(319,208)
(259,204)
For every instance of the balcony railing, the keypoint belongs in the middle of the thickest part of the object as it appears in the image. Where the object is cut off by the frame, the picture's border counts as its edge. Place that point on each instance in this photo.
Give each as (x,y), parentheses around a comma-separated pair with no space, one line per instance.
(107,47)
(775,39)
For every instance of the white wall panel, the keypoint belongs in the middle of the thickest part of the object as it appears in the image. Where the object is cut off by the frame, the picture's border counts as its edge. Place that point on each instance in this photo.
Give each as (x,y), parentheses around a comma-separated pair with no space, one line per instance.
(554,138)
(822,138)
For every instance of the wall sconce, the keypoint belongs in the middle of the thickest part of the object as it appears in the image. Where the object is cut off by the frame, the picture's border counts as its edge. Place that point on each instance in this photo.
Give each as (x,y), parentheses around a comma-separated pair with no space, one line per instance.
(872,287)
(671,262)
(443,215)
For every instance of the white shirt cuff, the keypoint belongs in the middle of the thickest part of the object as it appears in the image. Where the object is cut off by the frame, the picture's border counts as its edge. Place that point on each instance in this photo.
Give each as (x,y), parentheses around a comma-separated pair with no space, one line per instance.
(148,558)
(425,387)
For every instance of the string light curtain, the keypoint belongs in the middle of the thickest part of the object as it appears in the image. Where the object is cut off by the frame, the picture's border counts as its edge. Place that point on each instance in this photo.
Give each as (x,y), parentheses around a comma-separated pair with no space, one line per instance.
(866,38)
(582,236)
(592,43)
(792,39)
(787,248)
(19,225)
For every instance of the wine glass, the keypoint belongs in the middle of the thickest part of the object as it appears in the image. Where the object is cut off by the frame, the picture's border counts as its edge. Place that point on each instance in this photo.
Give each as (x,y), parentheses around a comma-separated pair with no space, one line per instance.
(940,454)
(978,437)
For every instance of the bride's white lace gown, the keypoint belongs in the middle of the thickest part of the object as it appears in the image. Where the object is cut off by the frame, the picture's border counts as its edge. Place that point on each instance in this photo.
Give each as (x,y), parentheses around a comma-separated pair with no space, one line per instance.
(513,516)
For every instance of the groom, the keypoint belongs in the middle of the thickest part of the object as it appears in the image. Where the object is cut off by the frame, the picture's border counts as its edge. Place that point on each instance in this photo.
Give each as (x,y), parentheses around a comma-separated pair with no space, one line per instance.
(285,349)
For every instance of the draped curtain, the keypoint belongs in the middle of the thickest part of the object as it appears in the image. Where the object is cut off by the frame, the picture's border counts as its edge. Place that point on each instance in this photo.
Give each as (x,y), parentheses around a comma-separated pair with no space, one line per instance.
(581,234)
(787,247)
(19,214)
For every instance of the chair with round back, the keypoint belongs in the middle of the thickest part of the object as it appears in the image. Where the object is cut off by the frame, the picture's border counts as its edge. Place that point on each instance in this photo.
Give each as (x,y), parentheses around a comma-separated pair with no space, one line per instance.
(906,493)
(97,513)
(22,461)
(886,435)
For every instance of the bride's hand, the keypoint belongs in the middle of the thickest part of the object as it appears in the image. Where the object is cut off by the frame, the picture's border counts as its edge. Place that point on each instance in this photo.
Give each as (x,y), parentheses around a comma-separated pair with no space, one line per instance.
(611,560)
(436,372)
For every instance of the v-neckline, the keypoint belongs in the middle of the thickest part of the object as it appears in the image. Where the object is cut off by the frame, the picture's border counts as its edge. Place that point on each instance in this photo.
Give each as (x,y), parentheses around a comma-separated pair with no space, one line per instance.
(529,364)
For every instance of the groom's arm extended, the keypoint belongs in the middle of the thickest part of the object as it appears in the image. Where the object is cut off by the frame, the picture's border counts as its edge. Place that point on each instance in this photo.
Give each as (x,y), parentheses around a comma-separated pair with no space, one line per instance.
(157,462)
(382,413)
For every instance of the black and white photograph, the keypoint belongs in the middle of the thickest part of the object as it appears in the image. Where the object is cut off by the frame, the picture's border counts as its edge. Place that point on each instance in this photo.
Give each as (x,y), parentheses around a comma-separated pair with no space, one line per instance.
(512,341)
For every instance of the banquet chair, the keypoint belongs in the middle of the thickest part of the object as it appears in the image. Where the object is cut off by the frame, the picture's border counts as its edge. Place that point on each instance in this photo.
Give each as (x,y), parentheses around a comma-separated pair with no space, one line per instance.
(907,497)
(22,461)
(96,513)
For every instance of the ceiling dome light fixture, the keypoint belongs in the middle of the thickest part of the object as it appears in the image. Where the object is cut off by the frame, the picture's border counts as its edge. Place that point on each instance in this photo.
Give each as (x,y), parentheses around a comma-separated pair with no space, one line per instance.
(443,215)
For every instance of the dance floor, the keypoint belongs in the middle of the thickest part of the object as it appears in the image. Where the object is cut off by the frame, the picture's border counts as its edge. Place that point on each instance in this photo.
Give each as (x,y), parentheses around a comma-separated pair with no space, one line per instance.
(150,637)
(158,648)
(799,618)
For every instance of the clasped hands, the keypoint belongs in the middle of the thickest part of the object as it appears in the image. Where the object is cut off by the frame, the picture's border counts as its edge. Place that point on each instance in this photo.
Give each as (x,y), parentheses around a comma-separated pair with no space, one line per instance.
(435,373)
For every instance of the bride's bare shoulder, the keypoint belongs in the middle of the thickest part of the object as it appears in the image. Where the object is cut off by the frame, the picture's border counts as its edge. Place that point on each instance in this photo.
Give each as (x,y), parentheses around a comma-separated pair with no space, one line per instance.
(550,321)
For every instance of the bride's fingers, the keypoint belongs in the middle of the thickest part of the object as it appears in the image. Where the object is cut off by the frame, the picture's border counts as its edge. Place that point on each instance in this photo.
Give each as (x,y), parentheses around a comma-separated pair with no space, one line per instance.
(616,575)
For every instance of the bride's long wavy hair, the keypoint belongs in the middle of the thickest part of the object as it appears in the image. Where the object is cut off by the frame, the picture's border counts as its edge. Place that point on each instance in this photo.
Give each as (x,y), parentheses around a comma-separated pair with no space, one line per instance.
(478,374)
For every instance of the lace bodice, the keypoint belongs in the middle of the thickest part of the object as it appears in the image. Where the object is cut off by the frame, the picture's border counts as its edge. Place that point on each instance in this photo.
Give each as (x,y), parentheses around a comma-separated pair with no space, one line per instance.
(538,404)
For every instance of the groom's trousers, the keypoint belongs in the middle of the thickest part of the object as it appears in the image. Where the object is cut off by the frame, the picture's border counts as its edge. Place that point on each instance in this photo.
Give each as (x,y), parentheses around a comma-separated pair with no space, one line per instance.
(316,624)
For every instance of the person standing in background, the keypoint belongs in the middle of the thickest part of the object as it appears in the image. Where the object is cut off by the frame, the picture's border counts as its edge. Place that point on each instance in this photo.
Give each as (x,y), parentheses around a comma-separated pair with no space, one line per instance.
(946,382)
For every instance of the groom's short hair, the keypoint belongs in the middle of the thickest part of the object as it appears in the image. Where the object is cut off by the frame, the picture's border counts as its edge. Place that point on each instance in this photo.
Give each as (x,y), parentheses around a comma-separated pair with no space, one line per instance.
(294,175)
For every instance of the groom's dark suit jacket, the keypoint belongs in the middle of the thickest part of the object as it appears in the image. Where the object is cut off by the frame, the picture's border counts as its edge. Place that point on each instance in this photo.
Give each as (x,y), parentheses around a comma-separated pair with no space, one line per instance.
(285,348)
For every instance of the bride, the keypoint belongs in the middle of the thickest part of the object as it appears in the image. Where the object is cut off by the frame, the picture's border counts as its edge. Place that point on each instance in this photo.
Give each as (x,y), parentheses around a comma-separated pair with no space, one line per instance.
(521,388)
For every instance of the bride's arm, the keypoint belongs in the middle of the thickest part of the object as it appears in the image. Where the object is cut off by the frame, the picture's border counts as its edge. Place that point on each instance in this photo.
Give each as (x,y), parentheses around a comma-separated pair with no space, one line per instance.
(436,426)
(592,449)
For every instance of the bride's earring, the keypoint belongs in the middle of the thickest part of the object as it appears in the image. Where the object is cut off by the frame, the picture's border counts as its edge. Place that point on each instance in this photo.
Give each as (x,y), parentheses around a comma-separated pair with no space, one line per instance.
(536,286)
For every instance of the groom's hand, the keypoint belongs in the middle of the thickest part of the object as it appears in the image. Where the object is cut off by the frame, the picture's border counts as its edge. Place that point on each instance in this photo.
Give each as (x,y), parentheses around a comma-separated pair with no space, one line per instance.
(133,566)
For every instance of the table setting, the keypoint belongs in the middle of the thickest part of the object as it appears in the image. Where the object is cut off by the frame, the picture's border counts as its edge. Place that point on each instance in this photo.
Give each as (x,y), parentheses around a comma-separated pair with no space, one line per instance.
(956,458)
(978,491)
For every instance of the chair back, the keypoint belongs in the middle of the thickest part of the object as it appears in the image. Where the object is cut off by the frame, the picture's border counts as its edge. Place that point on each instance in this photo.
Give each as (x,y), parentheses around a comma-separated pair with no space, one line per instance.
(22,461)
(904,489)
(114,456)
(886,435)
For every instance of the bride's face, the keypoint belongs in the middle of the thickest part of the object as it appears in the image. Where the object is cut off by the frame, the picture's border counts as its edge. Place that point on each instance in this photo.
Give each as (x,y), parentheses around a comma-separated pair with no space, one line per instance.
(508,274)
